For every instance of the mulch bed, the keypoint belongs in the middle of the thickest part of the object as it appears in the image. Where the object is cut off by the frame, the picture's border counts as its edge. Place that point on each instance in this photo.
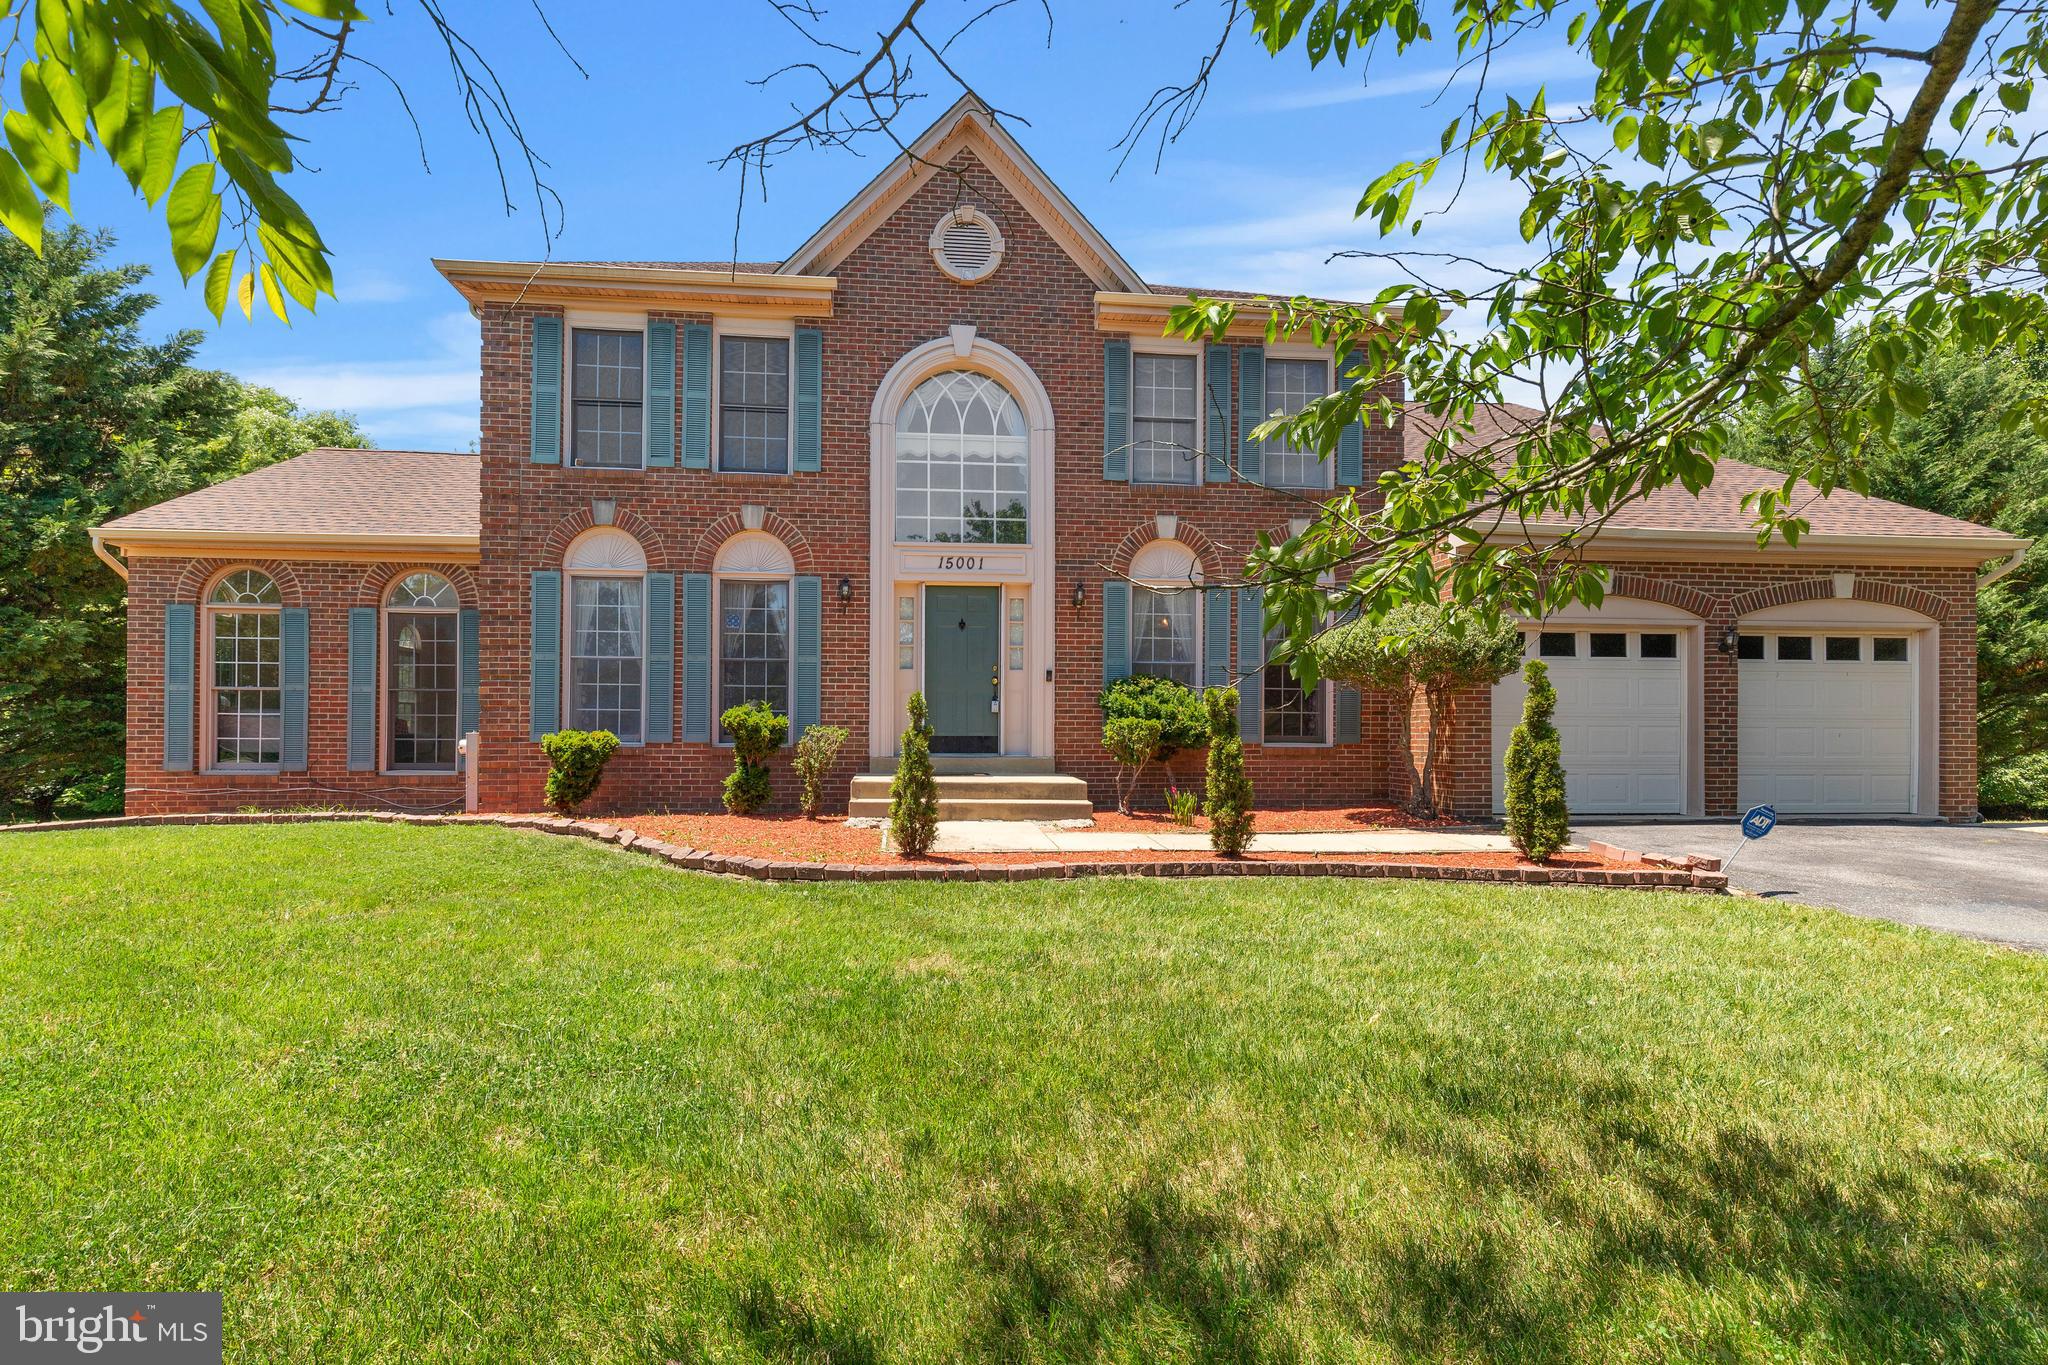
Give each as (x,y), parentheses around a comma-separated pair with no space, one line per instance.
(1319,820)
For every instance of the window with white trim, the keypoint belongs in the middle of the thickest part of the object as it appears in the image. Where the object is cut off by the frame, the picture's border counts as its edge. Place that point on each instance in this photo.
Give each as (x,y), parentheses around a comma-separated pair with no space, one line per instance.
(607,388)
(1292,385)
(753,404)
(1293,714)
(246,677)
(1164,634)
(607,654)
(754,573)
(963,457)
(1165,430)
(422,675)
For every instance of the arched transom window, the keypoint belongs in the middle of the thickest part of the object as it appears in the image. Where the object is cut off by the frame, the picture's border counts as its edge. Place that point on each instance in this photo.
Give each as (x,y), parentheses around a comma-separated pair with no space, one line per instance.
(423,688)
(1165,620)
(242,624)
(962,461)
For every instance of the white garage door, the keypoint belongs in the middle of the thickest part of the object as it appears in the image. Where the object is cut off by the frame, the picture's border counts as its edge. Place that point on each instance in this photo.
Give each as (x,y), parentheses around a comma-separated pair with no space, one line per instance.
(1826,722)
(1620,717)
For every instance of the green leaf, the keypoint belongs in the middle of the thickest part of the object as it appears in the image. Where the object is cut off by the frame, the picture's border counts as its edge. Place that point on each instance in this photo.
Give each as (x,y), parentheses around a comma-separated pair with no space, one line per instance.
(245,294)
(2016,95)
(35,156)
(1655,135)
(1625,132)
(21,213)
(271,295)
(219,276)
(67,96)
(1861,92)
(159,144)
(193,212)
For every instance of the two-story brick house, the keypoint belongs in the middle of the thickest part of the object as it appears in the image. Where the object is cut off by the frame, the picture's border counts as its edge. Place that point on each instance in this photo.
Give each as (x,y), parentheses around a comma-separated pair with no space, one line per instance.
(943,446)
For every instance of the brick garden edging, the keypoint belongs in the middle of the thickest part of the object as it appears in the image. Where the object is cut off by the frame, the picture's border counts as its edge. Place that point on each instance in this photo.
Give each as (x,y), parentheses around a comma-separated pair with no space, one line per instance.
(1647,876)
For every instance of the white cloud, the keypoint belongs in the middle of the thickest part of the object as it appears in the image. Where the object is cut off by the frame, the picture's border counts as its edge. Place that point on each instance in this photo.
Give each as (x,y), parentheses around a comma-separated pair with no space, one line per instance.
(427,398)
(368,284)
(1550,66)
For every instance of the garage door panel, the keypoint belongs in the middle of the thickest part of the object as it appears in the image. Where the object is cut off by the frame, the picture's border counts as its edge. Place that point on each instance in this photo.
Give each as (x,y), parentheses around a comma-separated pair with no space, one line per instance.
(1621,724)
(1826,737)
(1663,693)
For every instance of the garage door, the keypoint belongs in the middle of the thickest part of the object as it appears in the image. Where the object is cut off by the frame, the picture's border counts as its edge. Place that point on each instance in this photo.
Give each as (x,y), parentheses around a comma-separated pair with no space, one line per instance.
(1620,718)
(1826,723)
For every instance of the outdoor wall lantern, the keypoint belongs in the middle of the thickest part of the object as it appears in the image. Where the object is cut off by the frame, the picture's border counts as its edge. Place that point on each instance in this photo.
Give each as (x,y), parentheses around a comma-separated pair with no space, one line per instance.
(1730,638)
(845,591)
(1080,594)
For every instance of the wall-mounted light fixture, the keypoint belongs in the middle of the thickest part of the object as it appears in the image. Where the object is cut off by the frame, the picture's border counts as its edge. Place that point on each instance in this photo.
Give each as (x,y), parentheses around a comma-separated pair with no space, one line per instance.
(845,591)
(1730,639)
(1080,594)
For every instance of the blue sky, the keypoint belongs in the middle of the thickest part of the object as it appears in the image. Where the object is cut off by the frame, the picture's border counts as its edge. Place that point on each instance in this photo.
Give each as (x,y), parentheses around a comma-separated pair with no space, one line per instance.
(1256,194)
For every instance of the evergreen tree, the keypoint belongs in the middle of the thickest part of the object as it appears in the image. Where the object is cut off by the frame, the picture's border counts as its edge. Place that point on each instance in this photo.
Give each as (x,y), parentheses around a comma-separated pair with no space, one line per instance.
(1538,823)
(1227,795)
(914,795)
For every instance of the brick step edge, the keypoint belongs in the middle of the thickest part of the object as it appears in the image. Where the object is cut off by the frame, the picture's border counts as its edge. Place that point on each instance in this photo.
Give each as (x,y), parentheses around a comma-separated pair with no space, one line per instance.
(1645,877)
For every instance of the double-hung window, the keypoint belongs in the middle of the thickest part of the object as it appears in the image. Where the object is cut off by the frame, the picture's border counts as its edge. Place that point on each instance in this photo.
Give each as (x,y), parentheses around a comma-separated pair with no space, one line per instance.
(1163,643)
(1292,385)
(753,644)
(753,404)
(1165,436)
(608,387)
(422,687)
(242,623)
(1293,714)
(607,655)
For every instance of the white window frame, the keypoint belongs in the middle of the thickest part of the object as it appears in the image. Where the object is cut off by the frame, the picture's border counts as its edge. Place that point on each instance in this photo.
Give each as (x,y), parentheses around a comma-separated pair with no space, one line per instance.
(718,582)
(751,329)
(1036,495)
(209,610)
(1295,350)
(570,577)
(387,723)
(586,321)
(1168,346)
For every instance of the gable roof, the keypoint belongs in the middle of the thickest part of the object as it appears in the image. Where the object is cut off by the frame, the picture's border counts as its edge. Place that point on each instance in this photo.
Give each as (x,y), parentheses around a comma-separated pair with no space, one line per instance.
(419,498)
(1717,510)
(967,124)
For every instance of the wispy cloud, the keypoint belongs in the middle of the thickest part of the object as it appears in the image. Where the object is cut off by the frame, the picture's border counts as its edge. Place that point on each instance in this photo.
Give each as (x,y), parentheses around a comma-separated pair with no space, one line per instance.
(429,399)
(1557,66)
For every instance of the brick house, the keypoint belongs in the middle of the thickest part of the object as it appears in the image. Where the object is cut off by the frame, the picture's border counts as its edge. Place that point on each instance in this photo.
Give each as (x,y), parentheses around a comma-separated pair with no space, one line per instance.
(943,446)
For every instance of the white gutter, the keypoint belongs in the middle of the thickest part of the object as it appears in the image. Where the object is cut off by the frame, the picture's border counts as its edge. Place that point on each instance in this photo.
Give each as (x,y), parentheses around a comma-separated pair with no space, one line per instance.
(1979,545)
(2004,566)
(99,548)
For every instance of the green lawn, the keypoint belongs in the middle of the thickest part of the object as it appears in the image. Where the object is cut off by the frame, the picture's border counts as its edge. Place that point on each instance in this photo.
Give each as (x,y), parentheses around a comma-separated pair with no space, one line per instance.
(440,1093)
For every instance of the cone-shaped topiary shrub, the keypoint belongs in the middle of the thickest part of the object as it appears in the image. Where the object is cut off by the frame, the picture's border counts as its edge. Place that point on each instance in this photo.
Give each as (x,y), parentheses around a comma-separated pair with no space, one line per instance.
(576,760)
(1538,822)
(1227,800)
(757,732)
(914,795)
(815,754)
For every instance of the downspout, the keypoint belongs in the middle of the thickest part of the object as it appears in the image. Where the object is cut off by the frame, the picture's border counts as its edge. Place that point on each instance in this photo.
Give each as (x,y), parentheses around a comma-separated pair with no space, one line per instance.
(99,548)
(2004,566)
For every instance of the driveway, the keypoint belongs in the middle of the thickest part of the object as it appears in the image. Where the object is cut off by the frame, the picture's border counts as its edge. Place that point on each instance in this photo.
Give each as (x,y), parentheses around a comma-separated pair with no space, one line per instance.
(1985,881)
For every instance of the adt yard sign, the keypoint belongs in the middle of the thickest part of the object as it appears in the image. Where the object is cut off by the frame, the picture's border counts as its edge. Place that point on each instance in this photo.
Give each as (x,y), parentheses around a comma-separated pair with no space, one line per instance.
(1760,820)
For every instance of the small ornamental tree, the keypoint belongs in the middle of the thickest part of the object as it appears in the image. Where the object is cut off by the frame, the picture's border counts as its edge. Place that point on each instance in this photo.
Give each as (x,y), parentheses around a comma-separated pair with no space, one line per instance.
(914,795)
(576,760)
(1133,743)
(815,753)
(1421,649)
(757,732)
(1183,723)
(1538,822)
(1227,800)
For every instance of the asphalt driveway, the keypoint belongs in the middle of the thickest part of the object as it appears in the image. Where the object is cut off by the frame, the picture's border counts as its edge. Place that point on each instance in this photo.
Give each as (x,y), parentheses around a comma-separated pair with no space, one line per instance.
(1985,881)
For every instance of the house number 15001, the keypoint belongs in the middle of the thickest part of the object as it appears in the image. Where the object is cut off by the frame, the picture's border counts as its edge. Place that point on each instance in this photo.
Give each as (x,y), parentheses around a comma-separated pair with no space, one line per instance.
(958,562)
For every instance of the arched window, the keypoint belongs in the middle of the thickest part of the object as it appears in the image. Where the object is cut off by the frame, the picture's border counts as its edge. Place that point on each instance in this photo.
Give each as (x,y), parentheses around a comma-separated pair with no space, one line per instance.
(247,712)
(1165,613)
(422,680)
(962,463)
(754,573)
(606,662)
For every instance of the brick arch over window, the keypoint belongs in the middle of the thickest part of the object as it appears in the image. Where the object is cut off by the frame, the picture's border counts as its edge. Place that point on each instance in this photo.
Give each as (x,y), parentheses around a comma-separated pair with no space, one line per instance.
(556,546)
(199,576)
(726,527)
(1207,552)
(1816,589)
(1661,590)
(378,578)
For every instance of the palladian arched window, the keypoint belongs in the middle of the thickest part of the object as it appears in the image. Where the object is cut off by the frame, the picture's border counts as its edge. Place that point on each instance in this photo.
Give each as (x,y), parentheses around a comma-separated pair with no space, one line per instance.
(962,463)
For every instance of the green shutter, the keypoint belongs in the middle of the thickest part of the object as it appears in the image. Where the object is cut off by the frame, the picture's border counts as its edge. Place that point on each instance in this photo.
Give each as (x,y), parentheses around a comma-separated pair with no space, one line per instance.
(1216,425)
(292,668)
(362,689)
(469,715)
(1251,410)
(810,397)
(661,394)
(1346,725)
(697,657)
(697,396)
(661,658)
(544,655)
(1351,440)
(1116,630)
(1251,660)
(1116,410)
(179,653)
(1216,637)
(545,337)
(810,602)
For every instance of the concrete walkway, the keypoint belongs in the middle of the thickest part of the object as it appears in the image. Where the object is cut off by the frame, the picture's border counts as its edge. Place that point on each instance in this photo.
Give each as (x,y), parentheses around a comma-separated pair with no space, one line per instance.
(1021,836)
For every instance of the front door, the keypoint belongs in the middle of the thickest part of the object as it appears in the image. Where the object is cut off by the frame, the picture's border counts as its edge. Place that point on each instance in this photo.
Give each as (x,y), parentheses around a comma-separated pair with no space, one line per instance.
(962,637)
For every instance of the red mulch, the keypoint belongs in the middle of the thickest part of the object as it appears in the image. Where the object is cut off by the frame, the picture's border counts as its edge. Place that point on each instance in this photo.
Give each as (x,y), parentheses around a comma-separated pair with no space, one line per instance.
(791,838)
(1320,820)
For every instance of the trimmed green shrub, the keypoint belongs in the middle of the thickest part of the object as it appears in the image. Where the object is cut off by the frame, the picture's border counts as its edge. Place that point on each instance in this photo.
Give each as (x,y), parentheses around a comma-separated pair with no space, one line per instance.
(815,753)
(2016,789)
(1133,743)
(1182,722)
(576,760)
(757,732)
(1227,799)
(1538,822)
(914,794)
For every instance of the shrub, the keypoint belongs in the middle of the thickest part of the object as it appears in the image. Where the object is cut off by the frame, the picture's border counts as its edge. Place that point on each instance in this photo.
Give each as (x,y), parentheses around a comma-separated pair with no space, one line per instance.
(757,732)
(1433,650)
(576,760)
(1182,724)
(815,753)
(2016,789)
(1228,795)
(1538,822)
(1182,805)
(1133,743)
(914,795)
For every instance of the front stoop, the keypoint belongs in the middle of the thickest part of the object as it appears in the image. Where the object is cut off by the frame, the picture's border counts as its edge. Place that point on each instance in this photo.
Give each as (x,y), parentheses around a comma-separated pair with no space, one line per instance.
(984,796)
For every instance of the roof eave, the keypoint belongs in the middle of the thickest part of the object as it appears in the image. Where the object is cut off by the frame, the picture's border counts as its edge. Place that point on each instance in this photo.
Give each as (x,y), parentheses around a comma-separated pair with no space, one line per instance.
(1961,548)
(142,540)
(556,282)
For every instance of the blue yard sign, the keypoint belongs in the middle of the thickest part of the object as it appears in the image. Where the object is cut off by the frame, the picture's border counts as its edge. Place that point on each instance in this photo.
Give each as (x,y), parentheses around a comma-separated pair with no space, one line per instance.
(1757,821)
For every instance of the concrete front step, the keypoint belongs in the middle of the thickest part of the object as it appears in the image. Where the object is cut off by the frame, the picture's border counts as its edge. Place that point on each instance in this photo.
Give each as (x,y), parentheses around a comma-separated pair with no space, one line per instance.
(984,796)
(947,765)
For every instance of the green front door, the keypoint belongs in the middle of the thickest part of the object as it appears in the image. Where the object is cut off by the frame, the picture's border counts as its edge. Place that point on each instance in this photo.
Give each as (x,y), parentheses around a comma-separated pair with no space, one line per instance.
(962,639)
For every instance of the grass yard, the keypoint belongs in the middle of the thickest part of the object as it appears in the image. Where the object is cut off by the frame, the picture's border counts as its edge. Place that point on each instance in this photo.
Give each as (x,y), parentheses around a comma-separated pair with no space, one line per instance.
(473,1094)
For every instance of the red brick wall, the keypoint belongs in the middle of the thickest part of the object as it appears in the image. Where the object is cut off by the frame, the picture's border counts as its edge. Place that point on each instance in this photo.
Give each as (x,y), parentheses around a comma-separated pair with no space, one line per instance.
(327,590)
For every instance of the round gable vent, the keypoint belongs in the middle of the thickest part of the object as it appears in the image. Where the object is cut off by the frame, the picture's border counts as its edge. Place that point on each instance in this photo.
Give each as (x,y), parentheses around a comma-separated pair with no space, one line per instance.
(967,246)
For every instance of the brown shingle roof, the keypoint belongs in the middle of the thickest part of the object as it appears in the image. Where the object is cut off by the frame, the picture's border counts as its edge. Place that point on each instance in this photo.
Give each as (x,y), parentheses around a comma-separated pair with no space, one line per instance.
(328,492)
(1718,506)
